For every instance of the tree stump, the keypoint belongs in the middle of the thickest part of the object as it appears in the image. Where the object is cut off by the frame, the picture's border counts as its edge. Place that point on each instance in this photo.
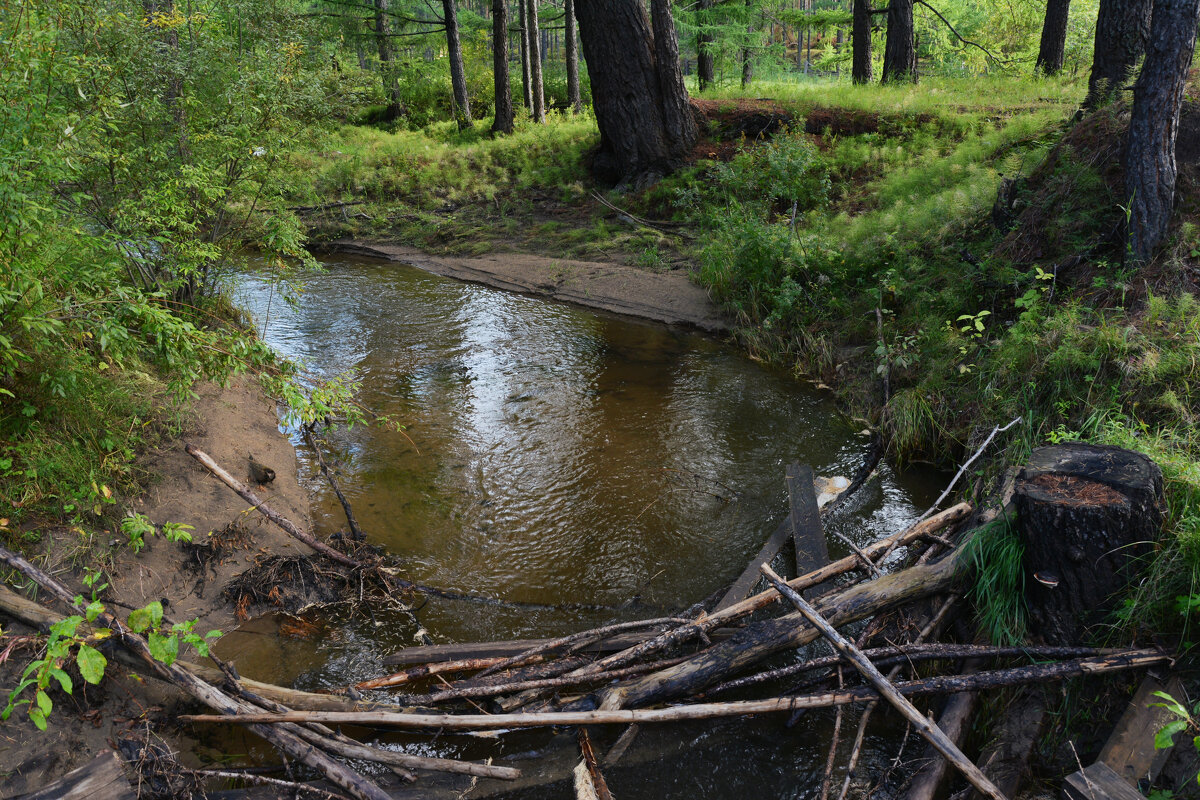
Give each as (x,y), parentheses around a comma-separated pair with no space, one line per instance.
(1088,513)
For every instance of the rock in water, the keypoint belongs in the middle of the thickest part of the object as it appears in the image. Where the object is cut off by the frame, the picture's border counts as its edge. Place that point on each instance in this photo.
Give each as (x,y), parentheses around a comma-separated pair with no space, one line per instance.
(1087,514)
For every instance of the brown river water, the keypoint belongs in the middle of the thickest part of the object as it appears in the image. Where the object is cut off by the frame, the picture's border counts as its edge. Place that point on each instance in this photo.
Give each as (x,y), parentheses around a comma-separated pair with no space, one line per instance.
(557,457)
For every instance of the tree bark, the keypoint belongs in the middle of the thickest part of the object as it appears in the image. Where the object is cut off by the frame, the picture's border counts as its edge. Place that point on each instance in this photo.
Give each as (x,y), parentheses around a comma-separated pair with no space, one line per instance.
(747,64)
(1121,30)
(646,124)
(900,51)
(861,70)
(1087,513)
(526,86)
(1054,38)
(503,121)
(571,40)
(387,67)
(458,76)
(1150,168)
(705,62)
(534,47)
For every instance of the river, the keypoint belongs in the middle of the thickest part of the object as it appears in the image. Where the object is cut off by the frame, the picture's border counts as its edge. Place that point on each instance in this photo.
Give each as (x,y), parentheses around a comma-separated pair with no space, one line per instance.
(558,457)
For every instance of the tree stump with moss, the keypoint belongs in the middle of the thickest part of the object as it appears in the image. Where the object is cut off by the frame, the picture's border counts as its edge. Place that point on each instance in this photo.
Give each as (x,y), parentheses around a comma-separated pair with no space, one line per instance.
(1088,515)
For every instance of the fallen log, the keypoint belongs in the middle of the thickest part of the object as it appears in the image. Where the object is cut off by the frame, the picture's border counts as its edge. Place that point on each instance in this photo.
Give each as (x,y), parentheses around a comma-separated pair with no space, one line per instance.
(102,778)
(762,639)
(993,679)
(932,733)
(712,622)
(339,774)
(911,653)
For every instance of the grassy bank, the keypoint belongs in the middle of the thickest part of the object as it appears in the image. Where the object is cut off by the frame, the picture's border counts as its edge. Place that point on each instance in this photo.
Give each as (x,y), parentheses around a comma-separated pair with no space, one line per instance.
(866,246)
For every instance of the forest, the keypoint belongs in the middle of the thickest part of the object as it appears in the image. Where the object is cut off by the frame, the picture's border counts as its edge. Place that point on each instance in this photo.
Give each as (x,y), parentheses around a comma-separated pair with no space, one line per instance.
(969,228)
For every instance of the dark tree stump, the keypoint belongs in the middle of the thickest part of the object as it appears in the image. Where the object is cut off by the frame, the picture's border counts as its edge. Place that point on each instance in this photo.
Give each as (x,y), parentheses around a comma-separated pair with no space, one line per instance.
(1088,513)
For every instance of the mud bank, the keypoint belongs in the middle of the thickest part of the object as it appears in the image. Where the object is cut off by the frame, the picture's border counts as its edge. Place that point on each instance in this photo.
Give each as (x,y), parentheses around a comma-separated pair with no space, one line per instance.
(231,424)
(667,297)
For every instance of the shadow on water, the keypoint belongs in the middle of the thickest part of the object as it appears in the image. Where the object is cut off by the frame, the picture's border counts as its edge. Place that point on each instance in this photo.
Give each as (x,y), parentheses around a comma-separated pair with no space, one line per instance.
(553,455)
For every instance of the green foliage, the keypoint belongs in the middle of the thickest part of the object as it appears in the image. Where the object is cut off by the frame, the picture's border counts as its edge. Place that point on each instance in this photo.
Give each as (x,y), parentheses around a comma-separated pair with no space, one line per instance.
(1185,721)
(164,643)
(998,586)
(62,645)
(137,527)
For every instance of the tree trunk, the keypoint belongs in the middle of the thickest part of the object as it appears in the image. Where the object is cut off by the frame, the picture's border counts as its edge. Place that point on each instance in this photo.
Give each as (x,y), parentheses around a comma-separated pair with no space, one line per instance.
(1121,30)
(1154,125)
(861,70)
(534,47)
(1054,38)
(526,86)
(705,62)
(458,78)
(900,51)
(1087,513)
(747,64)
(642,110)
(503,122)
(571,39)
(387,66)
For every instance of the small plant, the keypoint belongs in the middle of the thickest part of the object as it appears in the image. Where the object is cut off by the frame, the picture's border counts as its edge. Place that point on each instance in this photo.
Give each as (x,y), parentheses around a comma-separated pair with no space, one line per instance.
(137,527)
(63,639)
(164,642)
(1184,721)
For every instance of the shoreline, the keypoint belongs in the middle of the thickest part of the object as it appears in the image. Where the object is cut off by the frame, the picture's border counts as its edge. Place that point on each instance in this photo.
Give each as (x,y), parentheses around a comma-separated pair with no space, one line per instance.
(671,298)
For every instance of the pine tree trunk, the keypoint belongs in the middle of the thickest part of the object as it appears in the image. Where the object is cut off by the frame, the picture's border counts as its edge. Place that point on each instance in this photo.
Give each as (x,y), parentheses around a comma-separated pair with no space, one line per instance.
(861,70)
(642,109)
(533,45)
(458,77)
(705,62)
(526,87)
(1054,38)
(503,122)
(570,38)
(387,66)
(1150,168)
(747,63)
(900,51)
(1121,30)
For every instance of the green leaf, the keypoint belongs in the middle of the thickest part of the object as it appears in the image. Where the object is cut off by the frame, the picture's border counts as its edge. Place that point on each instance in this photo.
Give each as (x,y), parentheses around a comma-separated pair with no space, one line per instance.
(43,701)
(164,648)
(144,619)
(93,610)
(1173,705)
(63,679)
(1163,738)
(38,716)
(91,663)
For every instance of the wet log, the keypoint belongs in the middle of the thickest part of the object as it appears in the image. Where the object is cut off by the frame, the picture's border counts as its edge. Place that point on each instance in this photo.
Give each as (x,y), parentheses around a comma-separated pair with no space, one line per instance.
(953,720)
(760,640)
(993,679)
(1087,514)
(749,577)
(102,778)
(931,732)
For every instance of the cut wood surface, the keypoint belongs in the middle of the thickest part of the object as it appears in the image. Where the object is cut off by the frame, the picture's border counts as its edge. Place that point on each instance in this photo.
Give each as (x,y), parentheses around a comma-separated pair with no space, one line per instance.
(1099,782)
(102,778)
(1130,750)
(749,577)
(993,679)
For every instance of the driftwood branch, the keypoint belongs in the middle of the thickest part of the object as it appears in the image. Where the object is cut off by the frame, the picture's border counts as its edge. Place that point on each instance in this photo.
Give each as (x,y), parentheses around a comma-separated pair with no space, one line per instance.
(927,729)
(993,679)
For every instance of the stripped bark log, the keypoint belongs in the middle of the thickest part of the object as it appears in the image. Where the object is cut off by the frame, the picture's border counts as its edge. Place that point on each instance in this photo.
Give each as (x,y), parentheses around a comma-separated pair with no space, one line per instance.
(927,729)
(994,679)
